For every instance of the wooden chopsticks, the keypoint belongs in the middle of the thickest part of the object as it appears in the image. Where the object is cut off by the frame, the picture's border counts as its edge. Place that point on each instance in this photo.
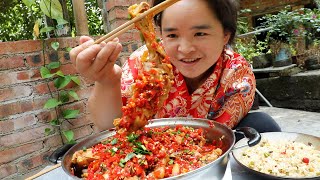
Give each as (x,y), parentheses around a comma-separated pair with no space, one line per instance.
(44,172)
(130,24)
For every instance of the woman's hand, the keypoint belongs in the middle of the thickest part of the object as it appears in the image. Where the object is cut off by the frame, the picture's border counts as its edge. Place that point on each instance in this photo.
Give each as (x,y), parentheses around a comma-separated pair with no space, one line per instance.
(97,61)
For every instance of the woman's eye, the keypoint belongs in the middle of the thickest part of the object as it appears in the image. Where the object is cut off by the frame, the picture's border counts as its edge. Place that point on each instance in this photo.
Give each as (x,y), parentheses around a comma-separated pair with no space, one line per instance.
(171,35)
(200,34)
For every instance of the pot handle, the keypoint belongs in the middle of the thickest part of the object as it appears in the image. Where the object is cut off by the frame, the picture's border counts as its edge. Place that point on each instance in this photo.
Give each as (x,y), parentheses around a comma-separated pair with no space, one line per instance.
(250,133)
(54,157)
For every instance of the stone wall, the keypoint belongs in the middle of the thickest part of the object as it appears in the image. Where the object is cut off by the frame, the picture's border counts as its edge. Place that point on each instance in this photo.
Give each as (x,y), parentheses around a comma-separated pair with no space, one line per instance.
(300,91)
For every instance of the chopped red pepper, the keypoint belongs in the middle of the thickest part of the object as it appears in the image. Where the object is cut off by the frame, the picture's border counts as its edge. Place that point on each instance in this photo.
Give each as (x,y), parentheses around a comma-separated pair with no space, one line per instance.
(305,160)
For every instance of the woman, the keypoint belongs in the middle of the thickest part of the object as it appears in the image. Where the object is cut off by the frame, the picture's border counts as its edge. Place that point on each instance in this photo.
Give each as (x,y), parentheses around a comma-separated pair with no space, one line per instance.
(211,81)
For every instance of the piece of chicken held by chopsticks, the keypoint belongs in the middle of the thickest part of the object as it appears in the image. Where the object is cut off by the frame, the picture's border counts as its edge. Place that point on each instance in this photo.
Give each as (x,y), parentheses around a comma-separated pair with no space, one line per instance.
(154,81)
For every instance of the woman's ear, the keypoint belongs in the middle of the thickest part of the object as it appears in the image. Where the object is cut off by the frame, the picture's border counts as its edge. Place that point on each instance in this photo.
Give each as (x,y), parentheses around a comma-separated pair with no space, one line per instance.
(158,32)
(226,37)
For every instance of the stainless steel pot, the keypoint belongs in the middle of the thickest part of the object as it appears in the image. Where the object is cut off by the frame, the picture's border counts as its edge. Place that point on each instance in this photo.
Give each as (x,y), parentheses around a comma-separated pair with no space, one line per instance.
(212,129)
(276,136)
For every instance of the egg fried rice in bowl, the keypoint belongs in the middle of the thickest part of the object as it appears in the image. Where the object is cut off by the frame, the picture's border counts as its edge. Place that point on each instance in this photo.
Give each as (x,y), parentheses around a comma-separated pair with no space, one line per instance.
(284,157)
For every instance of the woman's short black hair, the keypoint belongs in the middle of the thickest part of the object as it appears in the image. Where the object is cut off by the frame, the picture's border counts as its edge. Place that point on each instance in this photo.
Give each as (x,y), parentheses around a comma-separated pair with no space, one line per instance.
(225,10)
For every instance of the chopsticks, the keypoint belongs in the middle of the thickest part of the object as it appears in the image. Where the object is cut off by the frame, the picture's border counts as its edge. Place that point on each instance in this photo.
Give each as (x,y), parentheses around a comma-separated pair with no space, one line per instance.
(44,172)
(130,24)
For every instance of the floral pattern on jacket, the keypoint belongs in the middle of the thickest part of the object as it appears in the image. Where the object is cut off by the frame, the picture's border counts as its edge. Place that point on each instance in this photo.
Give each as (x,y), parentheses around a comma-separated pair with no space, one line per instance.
(226,96)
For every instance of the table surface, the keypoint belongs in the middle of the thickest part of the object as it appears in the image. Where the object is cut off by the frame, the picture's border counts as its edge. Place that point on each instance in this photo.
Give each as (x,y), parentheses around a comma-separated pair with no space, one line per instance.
(233,172)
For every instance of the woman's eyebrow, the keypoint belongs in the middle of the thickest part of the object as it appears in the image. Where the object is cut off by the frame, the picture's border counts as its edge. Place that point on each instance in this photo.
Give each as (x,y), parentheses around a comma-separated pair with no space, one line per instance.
(169,29)
(203,26)
(197,27)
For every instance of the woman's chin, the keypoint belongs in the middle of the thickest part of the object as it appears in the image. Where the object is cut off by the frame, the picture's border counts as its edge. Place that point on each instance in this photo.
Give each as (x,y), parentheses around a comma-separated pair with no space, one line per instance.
(190,75)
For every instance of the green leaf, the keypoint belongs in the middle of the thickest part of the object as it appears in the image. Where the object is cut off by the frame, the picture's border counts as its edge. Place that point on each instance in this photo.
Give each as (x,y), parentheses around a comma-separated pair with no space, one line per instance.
(52,103)
(28,3)
(121,163)
(68,49)
(76,80)
(46,29)
(126,159)
(140,149)
(47,131)
(45,73)
(72,142)
(51,8)
(55,122)
(60,73)
(70,114)
(62,82)
(64,97)
(132,137)
(61,21)
(69,135)
(73,94)
(54,65)
(55,45)
(114,141)
(129,156)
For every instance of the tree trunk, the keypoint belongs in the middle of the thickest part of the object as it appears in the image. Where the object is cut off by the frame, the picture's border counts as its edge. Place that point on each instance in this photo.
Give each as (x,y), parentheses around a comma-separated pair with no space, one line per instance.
(80,17)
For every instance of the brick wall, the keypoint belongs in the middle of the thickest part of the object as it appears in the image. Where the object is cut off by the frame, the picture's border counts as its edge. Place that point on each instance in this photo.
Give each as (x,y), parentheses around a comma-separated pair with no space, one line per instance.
(23,145)
(117,14)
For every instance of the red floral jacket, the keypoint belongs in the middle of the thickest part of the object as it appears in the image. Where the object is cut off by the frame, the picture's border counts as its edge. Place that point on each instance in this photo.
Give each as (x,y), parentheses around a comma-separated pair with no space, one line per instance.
(226,96)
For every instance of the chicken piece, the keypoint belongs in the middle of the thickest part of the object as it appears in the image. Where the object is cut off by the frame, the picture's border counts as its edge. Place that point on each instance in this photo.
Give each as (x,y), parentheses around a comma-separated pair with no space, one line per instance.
(154,81)
(83,157)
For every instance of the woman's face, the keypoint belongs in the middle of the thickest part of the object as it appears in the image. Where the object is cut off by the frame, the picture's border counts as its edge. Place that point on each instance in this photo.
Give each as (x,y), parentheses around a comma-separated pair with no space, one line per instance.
(192,36)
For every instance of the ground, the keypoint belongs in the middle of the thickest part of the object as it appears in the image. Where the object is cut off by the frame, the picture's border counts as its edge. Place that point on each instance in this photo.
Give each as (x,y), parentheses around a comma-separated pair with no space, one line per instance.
(291,120)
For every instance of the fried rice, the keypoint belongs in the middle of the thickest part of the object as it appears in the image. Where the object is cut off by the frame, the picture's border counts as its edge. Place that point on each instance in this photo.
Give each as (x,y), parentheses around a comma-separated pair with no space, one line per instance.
(282,158)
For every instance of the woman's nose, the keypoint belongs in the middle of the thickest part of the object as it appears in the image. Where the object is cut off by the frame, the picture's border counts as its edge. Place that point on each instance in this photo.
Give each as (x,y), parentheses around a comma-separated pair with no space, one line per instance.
(186,46)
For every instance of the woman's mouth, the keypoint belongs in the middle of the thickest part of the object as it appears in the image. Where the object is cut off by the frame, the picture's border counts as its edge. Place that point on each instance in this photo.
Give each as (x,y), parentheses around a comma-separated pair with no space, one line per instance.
(191,60)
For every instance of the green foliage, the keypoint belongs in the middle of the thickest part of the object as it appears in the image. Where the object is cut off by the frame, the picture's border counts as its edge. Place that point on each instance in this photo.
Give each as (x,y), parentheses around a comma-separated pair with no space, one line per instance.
(248,47)
(55,46)
(51,8)
(52,103)
(17,21)
(63,96)
(95,20)
(18,18)
(317,3)
(242,23)
(287,25)
(251,47)
(29,3)
(70,136)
